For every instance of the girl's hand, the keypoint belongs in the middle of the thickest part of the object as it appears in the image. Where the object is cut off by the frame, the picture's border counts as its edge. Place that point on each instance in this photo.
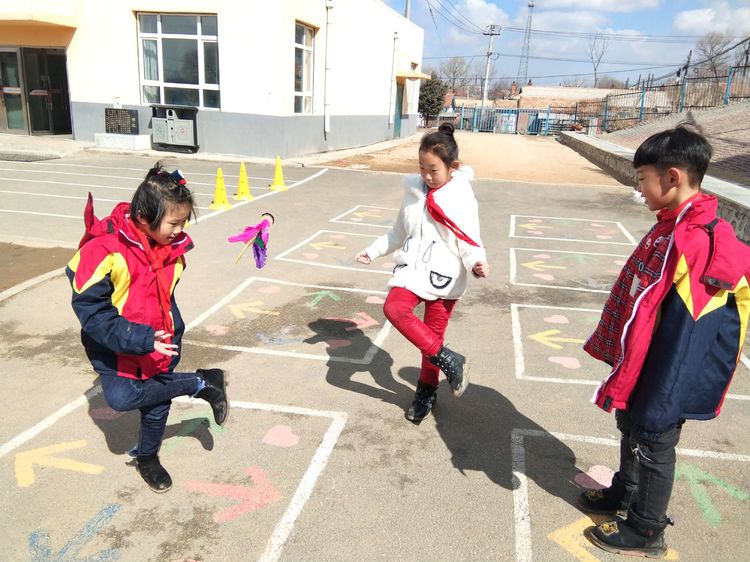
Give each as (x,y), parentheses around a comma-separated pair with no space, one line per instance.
(362,257)
(481,269)
(161,347)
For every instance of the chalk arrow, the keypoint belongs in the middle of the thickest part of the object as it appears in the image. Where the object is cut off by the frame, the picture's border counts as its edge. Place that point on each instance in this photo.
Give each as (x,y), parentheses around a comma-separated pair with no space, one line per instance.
(25,462)
(261,495)
(240,309)
(572,539)
(532,226)
(327,245)
(697,480)
(319,296)
(548,338)
(41,551)
(539,265)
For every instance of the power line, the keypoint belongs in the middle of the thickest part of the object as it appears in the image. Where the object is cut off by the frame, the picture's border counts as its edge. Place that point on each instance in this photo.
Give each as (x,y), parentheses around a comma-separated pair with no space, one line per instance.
(610,35)
(449,18)
(555,59)
(463,17)
(510,78)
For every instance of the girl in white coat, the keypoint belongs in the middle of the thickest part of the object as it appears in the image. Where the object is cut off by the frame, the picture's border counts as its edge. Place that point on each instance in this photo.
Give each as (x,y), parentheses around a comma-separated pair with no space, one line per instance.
(436,243)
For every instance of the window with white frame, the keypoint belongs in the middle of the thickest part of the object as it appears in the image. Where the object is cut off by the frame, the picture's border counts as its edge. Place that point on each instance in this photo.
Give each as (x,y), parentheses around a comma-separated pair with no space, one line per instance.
(303,67)
(179,59)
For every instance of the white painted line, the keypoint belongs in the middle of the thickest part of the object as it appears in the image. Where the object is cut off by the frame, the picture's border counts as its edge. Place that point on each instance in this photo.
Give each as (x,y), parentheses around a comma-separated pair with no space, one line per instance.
(571,240)
(587,253)
(75,197)
(518,349)
(282,255)
(315,234)
(512,226)
(745,360)
(92,186)
(626,233)
(242,203)
(338,220)
(49,421)
(7,293)
(78,217)
(521,510)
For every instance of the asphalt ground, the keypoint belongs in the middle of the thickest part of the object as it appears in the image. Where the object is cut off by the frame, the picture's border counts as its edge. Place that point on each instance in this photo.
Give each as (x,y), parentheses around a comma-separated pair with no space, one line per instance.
(317,461)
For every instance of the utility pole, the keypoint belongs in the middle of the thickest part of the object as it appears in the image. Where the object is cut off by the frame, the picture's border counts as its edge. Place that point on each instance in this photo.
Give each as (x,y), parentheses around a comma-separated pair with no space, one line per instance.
(491,30)
(407,9)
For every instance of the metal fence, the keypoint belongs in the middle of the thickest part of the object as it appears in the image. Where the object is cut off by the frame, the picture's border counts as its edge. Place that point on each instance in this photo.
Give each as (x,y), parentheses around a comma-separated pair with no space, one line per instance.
(614,112)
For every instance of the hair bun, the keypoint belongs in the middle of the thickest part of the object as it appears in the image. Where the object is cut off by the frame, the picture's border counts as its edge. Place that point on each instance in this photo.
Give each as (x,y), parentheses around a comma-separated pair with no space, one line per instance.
(447,128)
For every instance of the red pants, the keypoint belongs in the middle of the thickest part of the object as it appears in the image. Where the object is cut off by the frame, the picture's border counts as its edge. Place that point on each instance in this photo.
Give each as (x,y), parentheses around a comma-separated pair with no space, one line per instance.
(427,334)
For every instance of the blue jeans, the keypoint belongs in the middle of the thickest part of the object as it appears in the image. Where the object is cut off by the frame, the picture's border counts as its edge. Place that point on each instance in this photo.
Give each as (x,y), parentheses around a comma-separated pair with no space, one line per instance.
(646,475)
(152,397)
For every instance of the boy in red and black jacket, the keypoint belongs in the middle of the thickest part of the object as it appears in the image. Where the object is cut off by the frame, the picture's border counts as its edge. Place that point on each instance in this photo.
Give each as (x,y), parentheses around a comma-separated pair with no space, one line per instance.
(672,330)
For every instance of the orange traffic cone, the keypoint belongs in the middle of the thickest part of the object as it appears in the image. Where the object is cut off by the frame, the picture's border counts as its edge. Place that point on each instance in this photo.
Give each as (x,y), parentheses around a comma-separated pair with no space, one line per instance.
(278,177)
(220,202)
(243,187)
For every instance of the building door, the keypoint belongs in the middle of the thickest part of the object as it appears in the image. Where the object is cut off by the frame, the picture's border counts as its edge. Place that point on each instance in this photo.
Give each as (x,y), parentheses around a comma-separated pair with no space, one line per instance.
(47,90)
(398,112)
(12,106)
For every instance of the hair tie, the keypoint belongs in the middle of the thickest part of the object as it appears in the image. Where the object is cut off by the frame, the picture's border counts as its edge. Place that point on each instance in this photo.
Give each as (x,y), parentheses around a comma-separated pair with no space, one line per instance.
(178,178)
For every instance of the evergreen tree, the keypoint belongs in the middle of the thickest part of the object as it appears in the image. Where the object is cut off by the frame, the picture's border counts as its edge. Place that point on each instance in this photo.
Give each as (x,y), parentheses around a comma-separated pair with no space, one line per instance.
(431,97)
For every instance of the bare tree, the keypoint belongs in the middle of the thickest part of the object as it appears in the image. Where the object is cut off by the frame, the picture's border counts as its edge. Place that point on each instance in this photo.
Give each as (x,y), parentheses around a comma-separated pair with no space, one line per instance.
(596,48)
(611,83)
(712,59)
(455,72)
(500,90)
(574,82)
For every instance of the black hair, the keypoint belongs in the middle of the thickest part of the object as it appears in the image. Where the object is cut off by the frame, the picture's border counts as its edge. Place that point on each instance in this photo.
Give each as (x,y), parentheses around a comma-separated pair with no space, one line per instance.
(160,191)
(680,147)
(441,143)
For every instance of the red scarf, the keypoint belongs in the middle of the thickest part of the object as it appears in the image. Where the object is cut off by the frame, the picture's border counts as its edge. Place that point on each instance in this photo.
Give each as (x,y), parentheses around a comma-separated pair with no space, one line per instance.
(157,256)
(439,216)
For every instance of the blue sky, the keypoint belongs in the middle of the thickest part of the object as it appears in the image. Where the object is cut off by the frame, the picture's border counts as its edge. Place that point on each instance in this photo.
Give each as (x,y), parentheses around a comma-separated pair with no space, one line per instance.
(662,32)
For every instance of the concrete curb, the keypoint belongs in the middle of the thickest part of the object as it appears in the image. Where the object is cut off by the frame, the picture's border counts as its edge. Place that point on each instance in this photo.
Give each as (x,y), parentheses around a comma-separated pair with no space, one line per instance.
(734,201)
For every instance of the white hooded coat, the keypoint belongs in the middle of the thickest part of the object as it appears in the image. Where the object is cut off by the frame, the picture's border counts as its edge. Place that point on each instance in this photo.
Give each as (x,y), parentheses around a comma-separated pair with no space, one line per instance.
(431,261)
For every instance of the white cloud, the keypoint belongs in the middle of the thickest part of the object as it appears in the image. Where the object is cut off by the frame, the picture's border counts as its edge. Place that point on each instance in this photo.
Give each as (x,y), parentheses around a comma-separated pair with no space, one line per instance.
(720,16)
(621,6)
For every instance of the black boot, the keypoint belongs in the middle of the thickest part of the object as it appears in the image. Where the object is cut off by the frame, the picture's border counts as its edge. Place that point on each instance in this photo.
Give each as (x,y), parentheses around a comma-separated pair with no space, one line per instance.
(215,393)
(452,364)
(424,399)
(632,537)
(153,473)
(604,501)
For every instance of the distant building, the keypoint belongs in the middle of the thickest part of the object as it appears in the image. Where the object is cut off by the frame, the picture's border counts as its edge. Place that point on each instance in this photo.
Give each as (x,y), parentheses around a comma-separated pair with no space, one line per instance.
(285,77)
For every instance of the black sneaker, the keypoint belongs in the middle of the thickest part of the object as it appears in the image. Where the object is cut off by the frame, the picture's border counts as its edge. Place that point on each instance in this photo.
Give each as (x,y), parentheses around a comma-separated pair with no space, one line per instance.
(621,538)
(602,501)
(452,364)
(215,393)
(424,399)
(155,475)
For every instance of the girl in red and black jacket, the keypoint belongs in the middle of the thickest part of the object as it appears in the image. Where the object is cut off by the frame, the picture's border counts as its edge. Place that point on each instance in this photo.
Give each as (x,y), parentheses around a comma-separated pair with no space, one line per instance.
(123,277)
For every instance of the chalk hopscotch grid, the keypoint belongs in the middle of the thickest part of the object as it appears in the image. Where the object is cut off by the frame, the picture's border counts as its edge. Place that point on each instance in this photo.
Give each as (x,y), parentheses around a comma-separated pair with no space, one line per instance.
(366,360)
(282,256)
(520,366)
(619,225)
(514,270)
(338,219)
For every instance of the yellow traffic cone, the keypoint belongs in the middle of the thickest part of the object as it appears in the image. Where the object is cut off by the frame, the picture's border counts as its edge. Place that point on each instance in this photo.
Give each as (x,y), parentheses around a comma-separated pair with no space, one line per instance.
(243,187)
(278,177)
(220,202)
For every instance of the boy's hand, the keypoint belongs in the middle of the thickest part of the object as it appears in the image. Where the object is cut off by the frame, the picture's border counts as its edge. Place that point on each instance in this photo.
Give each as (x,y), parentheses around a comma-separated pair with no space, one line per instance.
(161,347)
(481,269)
(362,257)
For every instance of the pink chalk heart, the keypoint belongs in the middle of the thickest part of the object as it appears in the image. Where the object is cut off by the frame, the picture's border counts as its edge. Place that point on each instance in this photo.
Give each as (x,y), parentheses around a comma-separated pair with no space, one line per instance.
(281,436)
(310,256)
(389,265)
(597,225)
(620,262)
(597,478)
(557,319)
(603,237)
(335,344)
(269,289)
(217,329)
(545,276)
(372,299)
(337,236)
(567,362)
(541,256)
(106,414)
